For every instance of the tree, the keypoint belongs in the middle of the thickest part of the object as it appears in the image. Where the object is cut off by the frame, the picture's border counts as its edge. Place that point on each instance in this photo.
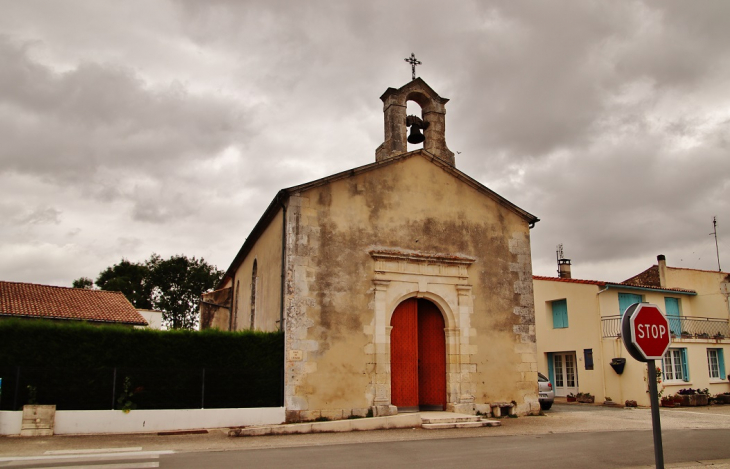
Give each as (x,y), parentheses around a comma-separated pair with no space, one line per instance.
(83,282)
(173,286)
(177,285)
(132,279)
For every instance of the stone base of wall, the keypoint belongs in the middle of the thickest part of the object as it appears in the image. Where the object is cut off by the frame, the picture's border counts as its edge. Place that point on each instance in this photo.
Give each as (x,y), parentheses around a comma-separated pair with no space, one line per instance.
(384,410)
(468,409)
(302,416)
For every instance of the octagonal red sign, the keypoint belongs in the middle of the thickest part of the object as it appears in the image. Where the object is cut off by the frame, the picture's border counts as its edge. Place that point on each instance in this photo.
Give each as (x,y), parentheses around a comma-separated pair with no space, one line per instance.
(650,331)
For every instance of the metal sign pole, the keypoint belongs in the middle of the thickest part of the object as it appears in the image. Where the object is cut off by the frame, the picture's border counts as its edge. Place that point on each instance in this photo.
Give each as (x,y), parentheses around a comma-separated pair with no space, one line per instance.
(656,424)
(645,333)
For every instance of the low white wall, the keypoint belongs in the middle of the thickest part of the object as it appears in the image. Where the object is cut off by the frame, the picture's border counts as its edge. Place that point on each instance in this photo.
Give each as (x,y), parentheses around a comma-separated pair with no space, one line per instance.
(69,422)
(10,422)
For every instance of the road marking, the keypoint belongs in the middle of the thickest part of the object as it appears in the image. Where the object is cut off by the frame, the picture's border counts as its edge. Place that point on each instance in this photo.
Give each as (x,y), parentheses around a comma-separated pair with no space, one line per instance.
(139,465)
(697,413)
(97,450)
(81,457)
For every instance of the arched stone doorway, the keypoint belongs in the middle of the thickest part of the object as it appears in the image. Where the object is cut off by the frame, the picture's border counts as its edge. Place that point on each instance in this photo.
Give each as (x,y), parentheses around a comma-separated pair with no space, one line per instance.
(418,356)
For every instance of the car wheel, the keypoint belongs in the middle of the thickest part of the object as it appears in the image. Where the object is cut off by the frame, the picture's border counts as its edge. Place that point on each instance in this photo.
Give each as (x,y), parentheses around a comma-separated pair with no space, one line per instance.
(546,405)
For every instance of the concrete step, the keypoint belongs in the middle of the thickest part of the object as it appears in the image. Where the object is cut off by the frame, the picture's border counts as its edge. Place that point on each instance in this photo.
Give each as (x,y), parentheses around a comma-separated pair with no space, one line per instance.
(459,419)
(363,424)
(471,424)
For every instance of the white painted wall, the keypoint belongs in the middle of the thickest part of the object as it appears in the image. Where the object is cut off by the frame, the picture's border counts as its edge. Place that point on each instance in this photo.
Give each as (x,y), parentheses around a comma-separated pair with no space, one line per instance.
(153,318)
(69,422)
(10,422)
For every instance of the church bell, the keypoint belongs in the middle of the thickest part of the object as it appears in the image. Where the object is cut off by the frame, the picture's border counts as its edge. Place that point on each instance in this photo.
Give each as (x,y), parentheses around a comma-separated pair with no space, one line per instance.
(415,136)
(416,124)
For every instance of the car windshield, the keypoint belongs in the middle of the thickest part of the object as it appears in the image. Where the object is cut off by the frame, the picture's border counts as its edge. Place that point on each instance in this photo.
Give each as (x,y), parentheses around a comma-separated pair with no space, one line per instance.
(541,377)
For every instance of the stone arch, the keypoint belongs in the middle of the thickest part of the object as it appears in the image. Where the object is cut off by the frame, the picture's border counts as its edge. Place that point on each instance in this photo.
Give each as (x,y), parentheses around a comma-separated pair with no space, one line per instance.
(427,104)
(443,280)
(440,302)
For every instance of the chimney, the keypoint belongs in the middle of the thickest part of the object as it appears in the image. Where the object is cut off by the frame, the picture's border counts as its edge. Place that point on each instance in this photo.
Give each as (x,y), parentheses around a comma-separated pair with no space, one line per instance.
(662,261)
(564,268)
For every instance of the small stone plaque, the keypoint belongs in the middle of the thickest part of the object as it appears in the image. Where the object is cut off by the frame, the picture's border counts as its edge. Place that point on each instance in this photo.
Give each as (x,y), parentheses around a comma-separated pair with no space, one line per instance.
(295,355)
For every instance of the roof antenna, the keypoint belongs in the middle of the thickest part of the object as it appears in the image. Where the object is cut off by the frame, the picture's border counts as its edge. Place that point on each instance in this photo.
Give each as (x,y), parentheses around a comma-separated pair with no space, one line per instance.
(717,250)
(563,263)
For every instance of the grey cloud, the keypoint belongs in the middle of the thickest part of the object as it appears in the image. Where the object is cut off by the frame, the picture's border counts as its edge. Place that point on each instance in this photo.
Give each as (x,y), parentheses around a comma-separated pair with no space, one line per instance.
(42,216)
(65,126)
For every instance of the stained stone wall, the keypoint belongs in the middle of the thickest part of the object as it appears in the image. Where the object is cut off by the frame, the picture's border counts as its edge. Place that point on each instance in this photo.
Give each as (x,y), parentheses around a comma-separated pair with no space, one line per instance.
(359,245)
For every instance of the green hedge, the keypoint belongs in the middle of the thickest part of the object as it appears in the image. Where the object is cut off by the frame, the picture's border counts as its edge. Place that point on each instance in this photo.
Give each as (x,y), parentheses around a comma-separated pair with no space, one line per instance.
(81,366)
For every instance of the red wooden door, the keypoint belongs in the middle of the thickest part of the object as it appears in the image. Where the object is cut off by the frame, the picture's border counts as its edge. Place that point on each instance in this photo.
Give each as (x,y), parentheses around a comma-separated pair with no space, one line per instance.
(418,356)
(431,357)
(404,355)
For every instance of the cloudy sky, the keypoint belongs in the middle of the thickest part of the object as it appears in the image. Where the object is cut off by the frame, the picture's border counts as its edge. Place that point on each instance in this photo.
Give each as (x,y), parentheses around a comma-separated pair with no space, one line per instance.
(128,128)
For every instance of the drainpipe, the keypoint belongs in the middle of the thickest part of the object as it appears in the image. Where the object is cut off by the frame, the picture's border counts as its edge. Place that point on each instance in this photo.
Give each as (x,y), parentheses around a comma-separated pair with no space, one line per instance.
(600,341)
(283,259)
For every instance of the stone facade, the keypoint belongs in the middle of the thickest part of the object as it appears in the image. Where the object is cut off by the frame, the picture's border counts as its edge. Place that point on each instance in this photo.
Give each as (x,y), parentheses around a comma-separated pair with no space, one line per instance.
(344,251)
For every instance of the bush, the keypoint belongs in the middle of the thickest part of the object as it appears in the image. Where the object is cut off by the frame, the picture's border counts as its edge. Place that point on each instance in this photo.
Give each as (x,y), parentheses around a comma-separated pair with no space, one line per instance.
(80,366)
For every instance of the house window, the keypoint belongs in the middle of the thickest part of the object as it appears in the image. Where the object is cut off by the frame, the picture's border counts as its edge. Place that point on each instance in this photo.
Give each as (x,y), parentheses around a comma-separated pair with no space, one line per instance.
(588,358)
(675,365)
(716,363)
(627,299)
(560,314)
(254,279)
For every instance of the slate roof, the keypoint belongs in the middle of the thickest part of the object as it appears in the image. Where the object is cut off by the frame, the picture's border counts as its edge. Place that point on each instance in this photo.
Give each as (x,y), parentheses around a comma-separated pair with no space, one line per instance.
(48,302)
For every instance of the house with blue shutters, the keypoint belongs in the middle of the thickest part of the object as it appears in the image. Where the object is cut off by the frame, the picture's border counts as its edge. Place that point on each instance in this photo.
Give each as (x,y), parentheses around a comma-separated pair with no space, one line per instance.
(578,330)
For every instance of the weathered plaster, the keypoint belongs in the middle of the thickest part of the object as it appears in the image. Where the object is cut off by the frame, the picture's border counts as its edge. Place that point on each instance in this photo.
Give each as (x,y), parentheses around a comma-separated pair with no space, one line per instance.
(339,296)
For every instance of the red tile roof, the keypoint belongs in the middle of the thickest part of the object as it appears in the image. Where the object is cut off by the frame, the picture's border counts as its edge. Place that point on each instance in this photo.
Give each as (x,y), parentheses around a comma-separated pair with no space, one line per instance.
(570,280)
(612,284)
(49,302)
(648,277)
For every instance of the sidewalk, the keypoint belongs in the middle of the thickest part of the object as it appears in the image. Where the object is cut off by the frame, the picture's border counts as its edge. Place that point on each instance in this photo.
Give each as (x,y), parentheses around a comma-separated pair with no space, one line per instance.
(563,418)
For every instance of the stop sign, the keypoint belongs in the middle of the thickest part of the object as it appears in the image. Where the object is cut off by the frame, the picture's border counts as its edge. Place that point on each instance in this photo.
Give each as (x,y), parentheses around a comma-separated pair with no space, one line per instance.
(646,332)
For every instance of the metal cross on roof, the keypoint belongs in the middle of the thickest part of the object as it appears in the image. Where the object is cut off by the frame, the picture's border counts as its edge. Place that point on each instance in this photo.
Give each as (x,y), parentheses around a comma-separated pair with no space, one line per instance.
(413,61)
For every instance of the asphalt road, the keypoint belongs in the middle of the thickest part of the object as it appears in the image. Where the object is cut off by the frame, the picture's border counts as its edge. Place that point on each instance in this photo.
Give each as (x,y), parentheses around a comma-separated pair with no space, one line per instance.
(568,436)
(565,451)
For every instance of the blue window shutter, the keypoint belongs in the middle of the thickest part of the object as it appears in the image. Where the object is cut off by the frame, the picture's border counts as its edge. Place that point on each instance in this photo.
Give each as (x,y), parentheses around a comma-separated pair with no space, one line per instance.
(560,314)
(685,366)
(671,306)
(551,368)
(721,363)
(627,299)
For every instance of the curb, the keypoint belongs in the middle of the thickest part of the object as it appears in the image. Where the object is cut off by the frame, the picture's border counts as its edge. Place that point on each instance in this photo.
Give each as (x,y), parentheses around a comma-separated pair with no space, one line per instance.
(350,425)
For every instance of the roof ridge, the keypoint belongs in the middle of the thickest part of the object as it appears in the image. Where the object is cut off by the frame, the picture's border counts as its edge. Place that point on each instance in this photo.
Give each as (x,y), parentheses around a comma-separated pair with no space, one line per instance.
(61,287)
(700,270)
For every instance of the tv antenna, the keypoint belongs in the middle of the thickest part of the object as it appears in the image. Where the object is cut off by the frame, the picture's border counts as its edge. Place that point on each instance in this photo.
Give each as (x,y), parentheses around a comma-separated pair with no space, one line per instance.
(717,250)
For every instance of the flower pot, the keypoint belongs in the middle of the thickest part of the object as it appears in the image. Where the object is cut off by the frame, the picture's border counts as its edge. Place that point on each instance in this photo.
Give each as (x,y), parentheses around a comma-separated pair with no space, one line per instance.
(618,365)
(570,399)
(725,398)
(667,403)
(587,400)
(701,399)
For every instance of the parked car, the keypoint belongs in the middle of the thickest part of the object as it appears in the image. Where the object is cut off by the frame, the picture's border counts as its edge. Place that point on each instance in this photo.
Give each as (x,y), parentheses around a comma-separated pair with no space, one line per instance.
(546,394)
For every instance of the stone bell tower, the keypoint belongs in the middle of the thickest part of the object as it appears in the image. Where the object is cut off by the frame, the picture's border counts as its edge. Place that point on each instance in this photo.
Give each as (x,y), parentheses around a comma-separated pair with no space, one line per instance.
(433,108)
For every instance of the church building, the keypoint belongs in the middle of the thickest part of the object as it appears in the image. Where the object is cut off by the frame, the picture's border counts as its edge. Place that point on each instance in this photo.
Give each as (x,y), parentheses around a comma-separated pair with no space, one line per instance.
(400,285)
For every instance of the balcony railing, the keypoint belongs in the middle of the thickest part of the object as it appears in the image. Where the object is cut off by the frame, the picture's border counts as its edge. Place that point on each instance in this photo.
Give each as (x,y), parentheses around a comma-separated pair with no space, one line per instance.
(681,327)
